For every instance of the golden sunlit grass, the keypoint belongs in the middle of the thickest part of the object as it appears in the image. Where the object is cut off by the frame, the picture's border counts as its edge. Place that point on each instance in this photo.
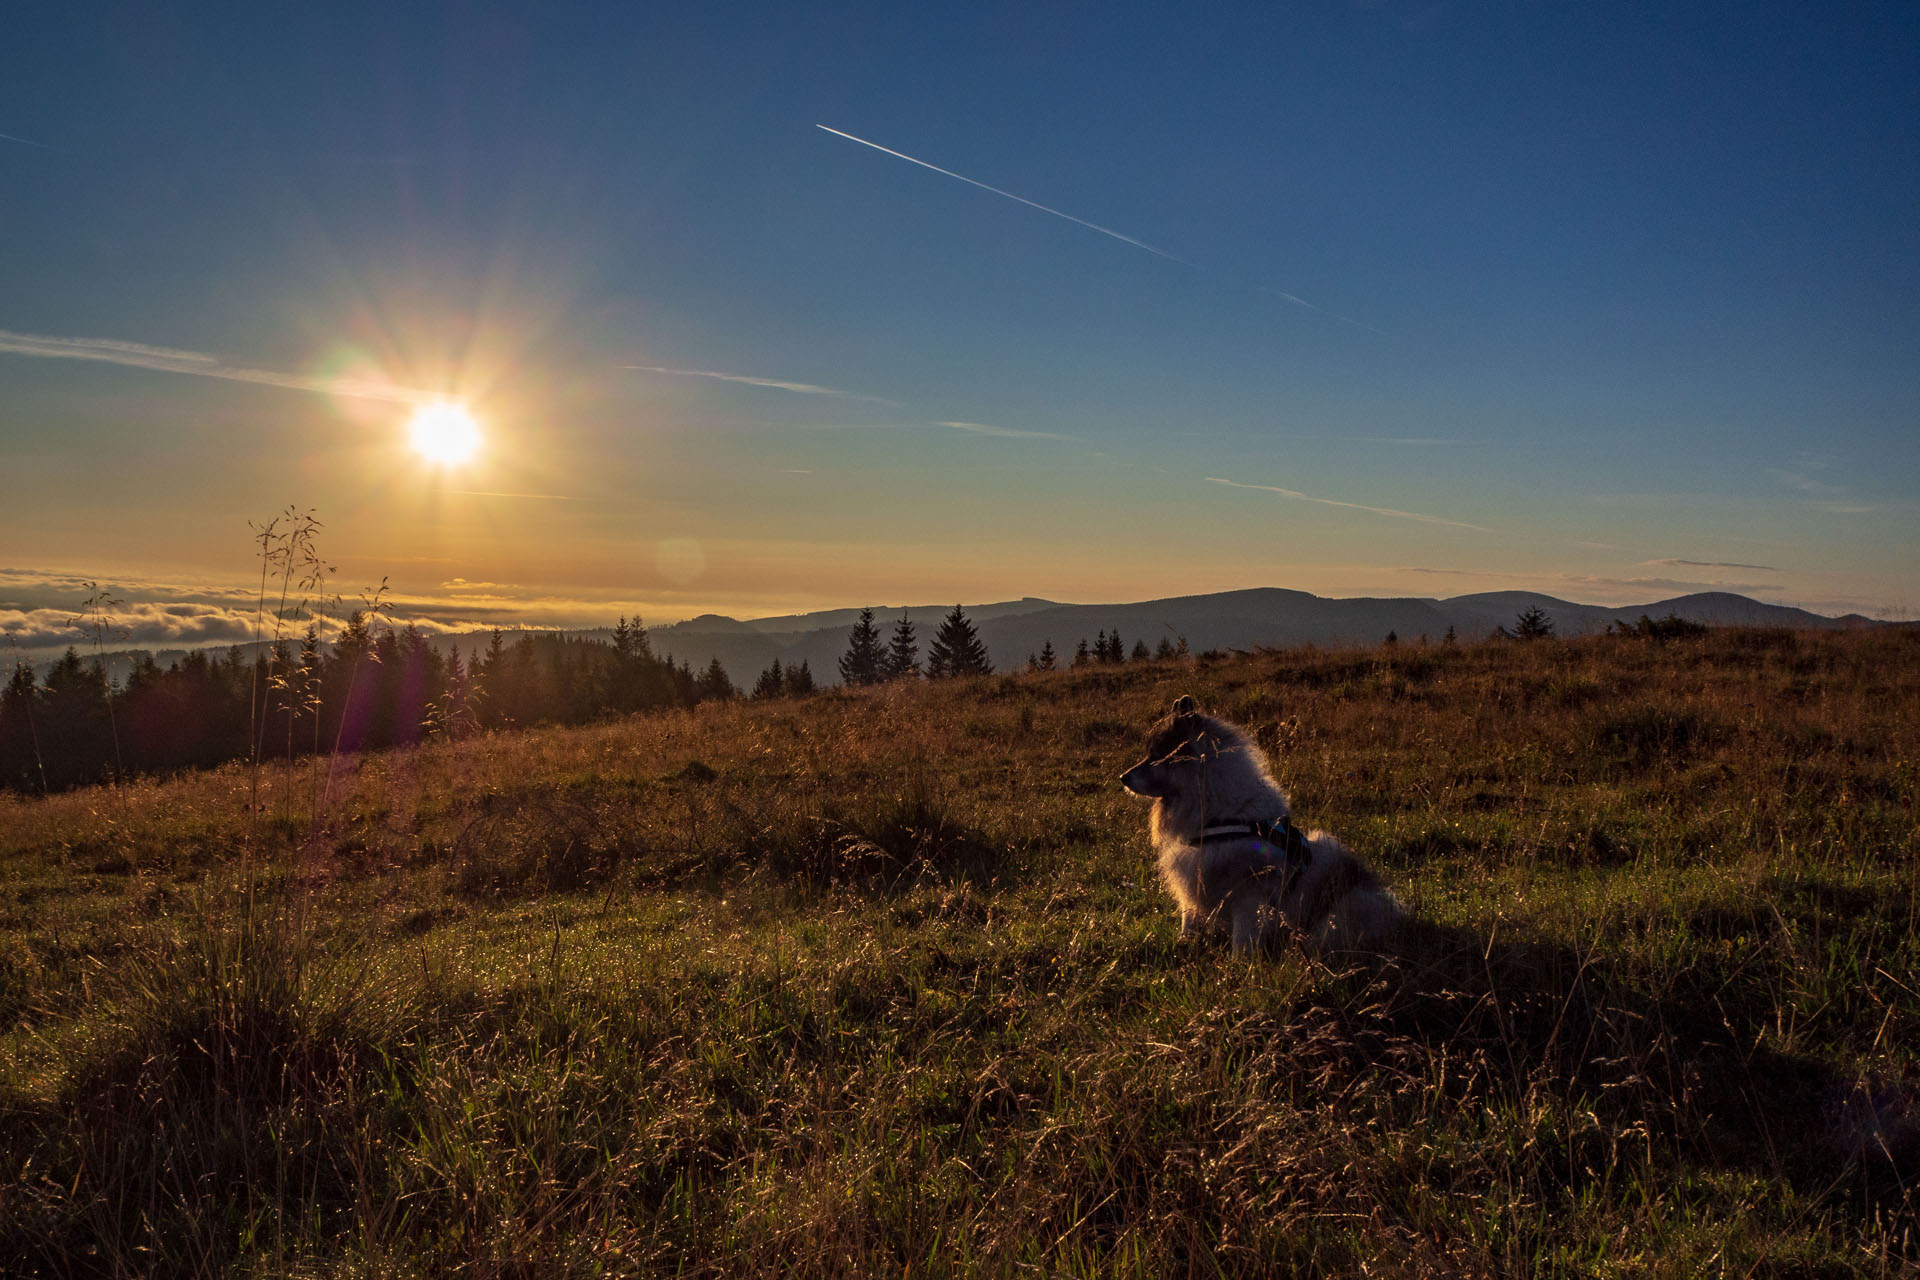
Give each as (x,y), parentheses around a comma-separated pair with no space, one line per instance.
(445,434)
(881,982)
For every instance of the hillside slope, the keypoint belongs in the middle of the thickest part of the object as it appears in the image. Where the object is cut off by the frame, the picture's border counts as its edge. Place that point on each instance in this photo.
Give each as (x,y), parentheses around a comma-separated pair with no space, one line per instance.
(885,978)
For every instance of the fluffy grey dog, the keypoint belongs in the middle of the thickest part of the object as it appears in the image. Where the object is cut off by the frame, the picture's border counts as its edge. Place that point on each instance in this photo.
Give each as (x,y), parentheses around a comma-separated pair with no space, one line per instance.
(1230,854)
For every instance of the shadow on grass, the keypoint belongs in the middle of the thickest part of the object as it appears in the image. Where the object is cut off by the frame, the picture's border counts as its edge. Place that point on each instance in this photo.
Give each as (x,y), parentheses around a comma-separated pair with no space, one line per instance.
(545,839)
(1684,1069)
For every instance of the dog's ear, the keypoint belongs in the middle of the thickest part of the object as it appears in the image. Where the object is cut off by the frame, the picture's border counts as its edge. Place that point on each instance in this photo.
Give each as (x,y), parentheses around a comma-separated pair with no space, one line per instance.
(1184,705)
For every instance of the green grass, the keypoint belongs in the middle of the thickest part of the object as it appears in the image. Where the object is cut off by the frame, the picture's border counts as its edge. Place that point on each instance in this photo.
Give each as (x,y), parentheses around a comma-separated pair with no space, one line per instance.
(882,983)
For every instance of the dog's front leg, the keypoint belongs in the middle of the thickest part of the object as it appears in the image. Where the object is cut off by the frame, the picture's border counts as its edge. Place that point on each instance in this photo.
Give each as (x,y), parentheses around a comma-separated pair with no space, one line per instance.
(1251,920)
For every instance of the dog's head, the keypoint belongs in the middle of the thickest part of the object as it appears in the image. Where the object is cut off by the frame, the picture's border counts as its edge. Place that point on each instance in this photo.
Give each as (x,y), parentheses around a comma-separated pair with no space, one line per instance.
(1179,750)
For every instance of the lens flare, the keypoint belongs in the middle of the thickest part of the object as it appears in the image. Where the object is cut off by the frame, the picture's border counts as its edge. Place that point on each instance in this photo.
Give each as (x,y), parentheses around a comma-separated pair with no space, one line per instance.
(445,434)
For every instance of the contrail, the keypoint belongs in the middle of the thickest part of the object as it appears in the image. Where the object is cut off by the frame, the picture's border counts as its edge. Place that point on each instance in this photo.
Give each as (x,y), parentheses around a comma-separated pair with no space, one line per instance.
(1031,204)
(138,355)
(1352,506)
(1121,236)
(798,388)
(26,142)
(1007,433)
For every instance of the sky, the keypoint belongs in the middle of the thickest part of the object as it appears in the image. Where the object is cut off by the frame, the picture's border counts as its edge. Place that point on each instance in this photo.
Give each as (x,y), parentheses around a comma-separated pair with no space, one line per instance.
(763,309)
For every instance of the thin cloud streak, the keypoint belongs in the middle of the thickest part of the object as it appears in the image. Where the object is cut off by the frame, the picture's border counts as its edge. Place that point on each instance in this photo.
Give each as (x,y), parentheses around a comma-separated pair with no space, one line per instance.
(494,493)
(1353,506)
(1712,564)
(1006,433)
(137,355)
(1805,484)
(777,384)
(1121,236)
(26,142)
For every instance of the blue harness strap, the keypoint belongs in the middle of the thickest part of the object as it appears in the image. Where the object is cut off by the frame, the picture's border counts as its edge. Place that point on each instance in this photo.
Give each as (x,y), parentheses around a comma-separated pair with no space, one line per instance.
(1295,852)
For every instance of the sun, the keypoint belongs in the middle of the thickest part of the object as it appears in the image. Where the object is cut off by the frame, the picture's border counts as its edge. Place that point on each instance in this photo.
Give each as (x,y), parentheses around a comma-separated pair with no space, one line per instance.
(446,434)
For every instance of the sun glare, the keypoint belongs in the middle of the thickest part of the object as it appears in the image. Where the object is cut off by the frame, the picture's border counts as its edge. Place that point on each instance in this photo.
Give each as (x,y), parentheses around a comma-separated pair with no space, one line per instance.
(445,433)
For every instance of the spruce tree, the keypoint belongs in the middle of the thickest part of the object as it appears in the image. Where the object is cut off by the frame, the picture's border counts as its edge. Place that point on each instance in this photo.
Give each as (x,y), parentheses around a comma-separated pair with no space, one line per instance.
(1534,624)
(1140,653)
(715,683)
(902,658)
(772,682)
(1080,656)
(799,680)
(1100,647)
(1165,651)
(860,664)
(956,649)
(1047,659)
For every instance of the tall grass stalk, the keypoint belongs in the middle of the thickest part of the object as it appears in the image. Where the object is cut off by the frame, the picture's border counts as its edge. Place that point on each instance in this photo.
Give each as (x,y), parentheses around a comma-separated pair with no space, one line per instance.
(31,691)
(95,620)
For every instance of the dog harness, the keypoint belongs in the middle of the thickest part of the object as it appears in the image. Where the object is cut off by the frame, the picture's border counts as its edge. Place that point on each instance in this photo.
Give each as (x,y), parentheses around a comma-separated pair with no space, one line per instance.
(1296,853)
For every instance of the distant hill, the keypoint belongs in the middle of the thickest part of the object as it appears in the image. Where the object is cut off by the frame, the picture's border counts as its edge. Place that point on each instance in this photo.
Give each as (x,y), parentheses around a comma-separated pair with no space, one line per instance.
(1272,617)
(1247,619)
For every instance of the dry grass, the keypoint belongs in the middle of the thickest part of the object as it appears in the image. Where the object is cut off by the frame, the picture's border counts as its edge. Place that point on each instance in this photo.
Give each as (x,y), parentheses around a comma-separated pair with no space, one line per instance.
(880,982)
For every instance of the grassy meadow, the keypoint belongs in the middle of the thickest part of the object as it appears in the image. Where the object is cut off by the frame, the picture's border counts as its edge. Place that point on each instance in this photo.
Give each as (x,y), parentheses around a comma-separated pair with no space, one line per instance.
(881,982)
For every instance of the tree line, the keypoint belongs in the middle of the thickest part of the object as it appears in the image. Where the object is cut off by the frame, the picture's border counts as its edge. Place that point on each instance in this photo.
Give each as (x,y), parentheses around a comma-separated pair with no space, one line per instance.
(956,651)
(380,686)
(373,686)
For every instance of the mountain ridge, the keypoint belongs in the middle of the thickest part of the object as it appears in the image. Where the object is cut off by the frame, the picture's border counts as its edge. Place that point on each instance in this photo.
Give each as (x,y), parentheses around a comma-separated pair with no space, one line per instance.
(1243,618)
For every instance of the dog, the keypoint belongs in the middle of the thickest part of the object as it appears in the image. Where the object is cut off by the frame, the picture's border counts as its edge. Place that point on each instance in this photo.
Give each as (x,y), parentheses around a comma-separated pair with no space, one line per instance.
(1230,854)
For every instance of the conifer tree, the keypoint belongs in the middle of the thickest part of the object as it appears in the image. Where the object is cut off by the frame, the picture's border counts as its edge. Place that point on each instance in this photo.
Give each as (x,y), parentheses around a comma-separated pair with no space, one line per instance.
(1100,647)
(20,756)
(1047,659)
(1140,653)
(860,664)
(772,682)
(901,661)
(457,714)
(1164,651)
(956,649)
(1080,656)
(1533,624)
(714,683)
(799,680)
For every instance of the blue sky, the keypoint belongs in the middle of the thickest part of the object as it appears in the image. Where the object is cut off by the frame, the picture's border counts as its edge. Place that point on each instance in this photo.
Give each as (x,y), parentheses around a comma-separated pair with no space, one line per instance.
(1613,302)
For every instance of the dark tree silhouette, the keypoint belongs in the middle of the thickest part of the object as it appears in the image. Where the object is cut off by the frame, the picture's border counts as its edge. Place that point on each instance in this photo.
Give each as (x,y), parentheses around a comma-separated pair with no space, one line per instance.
(1047,659)
(714,683)
(1140,651)
(901,661)
(799,680)
(772,683)
(956,649)
(21,764)
(1533,624)
(860,664)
